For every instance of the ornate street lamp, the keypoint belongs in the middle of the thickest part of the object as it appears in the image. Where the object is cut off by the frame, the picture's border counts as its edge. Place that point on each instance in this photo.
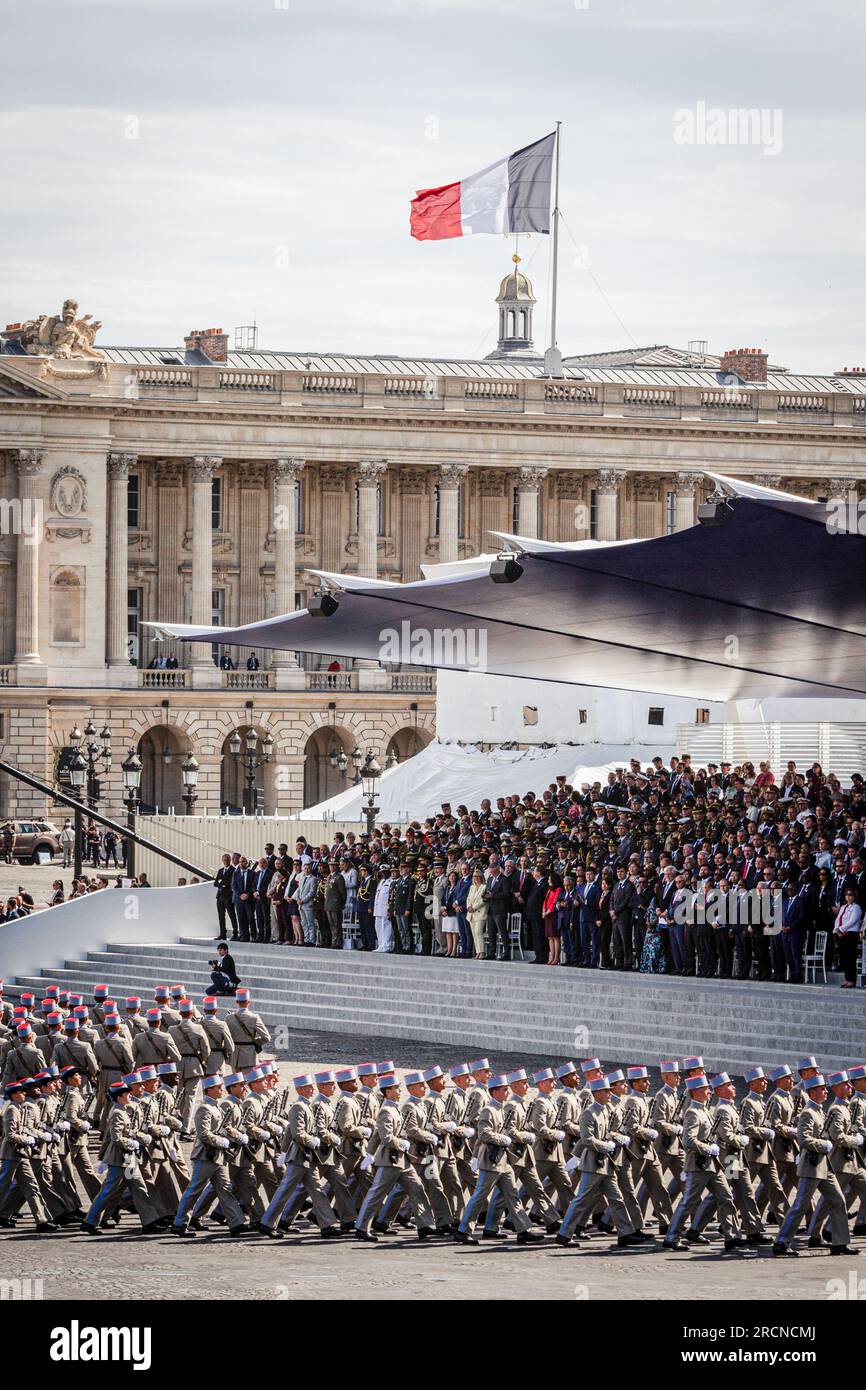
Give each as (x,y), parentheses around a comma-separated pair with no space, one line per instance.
(189,774)
(251,759)
(370,774)
(131,769)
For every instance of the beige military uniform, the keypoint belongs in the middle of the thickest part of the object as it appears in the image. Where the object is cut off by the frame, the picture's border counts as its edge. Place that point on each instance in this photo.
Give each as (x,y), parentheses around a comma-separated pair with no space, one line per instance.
(248,1035)
(734,1144)
(392,1169)
(114,1056)
(815,1174)
(15,1161)
(210,1167)
(760,1155)
(598,1178)
(191,1042)
(221,1045)
(702,1171)
(299,1144)
(495,1174)
(645,1165)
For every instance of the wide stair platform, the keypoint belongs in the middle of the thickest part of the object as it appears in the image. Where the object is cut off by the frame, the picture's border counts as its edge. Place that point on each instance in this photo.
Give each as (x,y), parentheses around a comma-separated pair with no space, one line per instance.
(475,1006)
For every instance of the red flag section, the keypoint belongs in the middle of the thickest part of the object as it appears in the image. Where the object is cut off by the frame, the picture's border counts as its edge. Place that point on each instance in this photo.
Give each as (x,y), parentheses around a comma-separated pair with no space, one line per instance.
(435,213)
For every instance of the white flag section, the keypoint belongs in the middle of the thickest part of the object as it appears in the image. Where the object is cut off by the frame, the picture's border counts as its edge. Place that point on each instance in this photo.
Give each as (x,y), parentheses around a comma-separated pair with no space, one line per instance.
(484,200)
(441,772)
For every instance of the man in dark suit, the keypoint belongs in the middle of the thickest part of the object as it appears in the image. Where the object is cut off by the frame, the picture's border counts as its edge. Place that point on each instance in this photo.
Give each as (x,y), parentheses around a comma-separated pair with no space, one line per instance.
(537,891)
(497,895)
(264,874)
(224,977)
(223,884)
(243,888)
(622,901)
(404,901)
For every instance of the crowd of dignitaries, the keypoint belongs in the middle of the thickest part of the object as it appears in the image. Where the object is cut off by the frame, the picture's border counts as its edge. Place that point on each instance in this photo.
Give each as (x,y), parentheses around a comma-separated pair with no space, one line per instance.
(612,877)
(174,1116)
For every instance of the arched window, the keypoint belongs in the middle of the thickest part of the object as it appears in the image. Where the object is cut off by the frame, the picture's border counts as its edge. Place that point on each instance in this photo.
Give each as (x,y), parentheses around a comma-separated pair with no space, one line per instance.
(67,608)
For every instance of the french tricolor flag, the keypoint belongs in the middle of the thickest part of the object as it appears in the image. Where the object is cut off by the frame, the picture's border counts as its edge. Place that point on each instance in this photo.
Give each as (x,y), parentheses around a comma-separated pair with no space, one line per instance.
(512,195)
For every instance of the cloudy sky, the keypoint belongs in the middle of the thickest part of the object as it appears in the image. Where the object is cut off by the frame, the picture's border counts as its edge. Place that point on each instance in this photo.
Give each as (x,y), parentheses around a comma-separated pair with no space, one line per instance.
(187,163)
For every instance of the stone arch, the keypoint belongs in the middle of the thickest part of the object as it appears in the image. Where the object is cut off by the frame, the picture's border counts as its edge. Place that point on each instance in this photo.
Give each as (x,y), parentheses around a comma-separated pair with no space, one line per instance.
(321,780)
(406,742)
(162,749)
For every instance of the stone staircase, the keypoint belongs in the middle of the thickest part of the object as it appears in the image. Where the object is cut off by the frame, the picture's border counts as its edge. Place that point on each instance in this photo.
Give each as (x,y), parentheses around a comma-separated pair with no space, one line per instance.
(476,1006)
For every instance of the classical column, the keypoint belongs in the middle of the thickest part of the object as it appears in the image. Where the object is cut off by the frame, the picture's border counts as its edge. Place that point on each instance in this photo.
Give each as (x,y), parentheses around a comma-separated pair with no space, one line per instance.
(170,524)
(251,530)
(413,530)
(451,476)
(118,559)
(529,480)
(607,488)
(370,474)
(27,564)
(646,504)
(684,500)
(201,614)
(286,474)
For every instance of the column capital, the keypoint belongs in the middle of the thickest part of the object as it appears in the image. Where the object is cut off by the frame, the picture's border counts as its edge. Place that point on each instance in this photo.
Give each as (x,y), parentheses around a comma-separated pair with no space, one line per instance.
(169,473)
(687,482)
(452,474)
(491,482)
(833,487)
(371,470)
(120,464)
(203,467)
(569,485)
(646,489)
(287,470)
(332,477)
(610,479)
(413,481)
(531,476)
(30,462)
(773,480)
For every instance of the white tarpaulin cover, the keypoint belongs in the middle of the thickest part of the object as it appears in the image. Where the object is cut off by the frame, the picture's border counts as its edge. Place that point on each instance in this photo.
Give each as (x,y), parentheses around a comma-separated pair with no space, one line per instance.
(464,776)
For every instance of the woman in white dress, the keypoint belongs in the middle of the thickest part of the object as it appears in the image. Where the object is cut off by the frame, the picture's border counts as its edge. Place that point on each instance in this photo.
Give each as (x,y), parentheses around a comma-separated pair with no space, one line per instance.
(384,930)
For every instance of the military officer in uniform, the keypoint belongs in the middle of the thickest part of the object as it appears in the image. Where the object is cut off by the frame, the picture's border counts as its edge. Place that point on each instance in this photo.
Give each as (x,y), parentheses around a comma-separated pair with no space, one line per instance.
(72,1052)
(114,1055)
(780,1116)
(452,1134)
(702,1169)
(521,1158)
(761,1136)
(77,1156)
(387,1156)
(734,1143)
(248,1033)
(300,1175)
(814,1173)
(598,1181)
(846,1160)
(552,1139)
(218,1036)
(353,1132)
(15,1166)
(327,1157)
(209,1162)
(643,1136)
(495,1176)
(191,1041)
(120,1154)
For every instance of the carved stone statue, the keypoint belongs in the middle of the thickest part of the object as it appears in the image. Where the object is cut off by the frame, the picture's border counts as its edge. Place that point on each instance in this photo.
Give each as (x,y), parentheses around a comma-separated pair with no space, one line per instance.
(59,335)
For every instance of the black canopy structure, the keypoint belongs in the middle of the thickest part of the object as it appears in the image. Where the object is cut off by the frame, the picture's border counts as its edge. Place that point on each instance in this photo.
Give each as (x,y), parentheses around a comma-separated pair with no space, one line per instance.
(769,604)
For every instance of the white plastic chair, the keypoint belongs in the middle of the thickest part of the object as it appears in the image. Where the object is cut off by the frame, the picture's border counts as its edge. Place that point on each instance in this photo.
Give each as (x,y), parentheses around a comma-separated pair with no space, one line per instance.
(814,960)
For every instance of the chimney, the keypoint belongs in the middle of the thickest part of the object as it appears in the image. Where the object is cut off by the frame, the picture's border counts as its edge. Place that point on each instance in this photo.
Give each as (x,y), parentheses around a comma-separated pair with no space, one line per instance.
(749,364)
(211,341)
(851,371)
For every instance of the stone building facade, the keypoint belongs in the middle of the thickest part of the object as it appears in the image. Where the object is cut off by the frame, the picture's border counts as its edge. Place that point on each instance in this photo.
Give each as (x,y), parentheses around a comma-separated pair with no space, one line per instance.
(200,484)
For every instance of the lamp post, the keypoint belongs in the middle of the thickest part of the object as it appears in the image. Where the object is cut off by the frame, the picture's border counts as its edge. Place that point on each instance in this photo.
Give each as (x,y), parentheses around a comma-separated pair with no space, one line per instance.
(189,773)
(93,752)
(370,774)
(77,778)
(251,759)
(131,769)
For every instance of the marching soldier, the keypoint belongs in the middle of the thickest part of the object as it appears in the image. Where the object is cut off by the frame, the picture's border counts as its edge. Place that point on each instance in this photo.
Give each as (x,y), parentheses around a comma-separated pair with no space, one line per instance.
(327,1155)
(353,1132)
(424,1145)
(388,1158)
(521,1158)
(456,1106)
(597,1176)
(159,1171)
(846,1160)
(219,1038)
(857,1077)
(248,1033)
(550,1135)
(98,1010)
(591,1070)
(621,1161)
(135,1020)
(120,1154)
(15,1166)
(780,1115)
(265,1132)
(240,1160)
(494,1172)
(86,1031)
(733,1144)
(567,1116)
(299,1145)
(450,1132)
(77,1158)
(24,1057)
(167,1110)
(702,1169)
(156,1046)
(761,1136)
(814,1172)
(72,1052)
(643,1136)
(190,1039)
(114,1055)
(209,1163)
(477,1095)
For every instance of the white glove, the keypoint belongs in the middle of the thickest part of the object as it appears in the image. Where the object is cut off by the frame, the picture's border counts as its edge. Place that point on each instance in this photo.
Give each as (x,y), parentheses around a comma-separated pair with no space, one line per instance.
(64,1126)
(857,1141)
(134,1145)
(281,1160)
(163,1130)
(366,1131)
(768,1133)
(676,1129)
(572,1164)
(653,1133)
(467,1131)
(559,1135)
(174,1153)
(84,1126)
(220,1142)
(313,1142)
(623,1140)
(448,1126)
(473,1164)
(608,1146)
(402,1144)
(30,1141)
(366,1162)
(243,1136)
(505,1140)
(713,1150)
(827,1146)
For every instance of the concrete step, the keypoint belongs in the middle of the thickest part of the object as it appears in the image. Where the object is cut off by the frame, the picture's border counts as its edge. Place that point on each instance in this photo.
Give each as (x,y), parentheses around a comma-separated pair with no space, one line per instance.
(464,1005)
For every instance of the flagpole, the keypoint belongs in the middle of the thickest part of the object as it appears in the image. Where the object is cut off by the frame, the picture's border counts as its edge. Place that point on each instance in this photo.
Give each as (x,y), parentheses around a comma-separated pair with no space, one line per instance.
(553,357)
